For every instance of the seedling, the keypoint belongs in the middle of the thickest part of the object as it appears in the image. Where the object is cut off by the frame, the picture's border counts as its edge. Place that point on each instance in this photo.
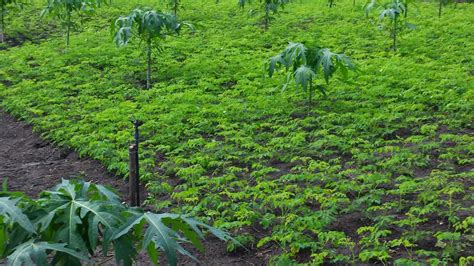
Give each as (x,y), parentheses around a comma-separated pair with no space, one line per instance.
(150,27)
(5,5)
(304,65)
(268,6)
(393,11)
(64,9)
(174,5)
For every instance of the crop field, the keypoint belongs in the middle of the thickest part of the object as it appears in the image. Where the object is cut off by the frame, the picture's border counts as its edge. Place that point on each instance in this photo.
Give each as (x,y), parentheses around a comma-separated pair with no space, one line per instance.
(378,170)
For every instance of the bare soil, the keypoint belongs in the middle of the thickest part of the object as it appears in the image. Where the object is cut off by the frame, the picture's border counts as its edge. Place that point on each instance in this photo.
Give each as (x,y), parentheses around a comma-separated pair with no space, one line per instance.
(33,165)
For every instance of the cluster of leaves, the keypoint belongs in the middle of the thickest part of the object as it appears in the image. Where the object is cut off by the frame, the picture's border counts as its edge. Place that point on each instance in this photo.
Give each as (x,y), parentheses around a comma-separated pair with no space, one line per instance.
(5,7)
(65,9)
(364,177)
(66,225)
(392,11)
(269,7)
(306,65)
(150,27)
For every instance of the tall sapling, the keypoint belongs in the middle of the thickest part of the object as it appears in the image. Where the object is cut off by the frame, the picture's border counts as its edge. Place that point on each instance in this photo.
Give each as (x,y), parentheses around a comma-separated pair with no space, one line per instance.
(150,27)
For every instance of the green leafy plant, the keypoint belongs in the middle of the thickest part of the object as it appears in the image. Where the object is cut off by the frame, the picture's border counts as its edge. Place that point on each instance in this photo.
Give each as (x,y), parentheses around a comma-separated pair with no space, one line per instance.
(393,11)
(441,4)
(218,145)
(4,7)
(269,7)
(150,27)
(64,10)
(67,224)
(304,65)
(408,3)
(174,5)
(374,3)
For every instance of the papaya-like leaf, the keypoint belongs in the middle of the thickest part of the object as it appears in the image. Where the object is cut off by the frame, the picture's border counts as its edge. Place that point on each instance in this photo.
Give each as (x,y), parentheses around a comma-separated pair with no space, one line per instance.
(304,77)
(14,214)
(34,253)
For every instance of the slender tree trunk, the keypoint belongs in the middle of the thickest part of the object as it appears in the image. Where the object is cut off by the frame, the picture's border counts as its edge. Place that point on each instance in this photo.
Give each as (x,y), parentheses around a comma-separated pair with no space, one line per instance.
(148,60)
(310,103)
(440,7)
(2,22)
(353,2)
(406,10)
(395,25)
(68,30)
(175,8)
(266,20)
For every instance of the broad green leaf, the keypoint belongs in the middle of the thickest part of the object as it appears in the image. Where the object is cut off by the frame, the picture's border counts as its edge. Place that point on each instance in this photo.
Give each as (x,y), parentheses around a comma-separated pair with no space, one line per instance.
(34,253)
(108,194)
(304,77)
(9,209)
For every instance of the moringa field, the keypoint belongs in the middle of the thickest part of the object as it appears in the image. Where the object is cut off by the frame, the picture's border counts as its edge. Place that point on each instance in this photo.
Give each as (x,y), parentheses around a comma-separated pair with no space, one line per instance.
(311,131)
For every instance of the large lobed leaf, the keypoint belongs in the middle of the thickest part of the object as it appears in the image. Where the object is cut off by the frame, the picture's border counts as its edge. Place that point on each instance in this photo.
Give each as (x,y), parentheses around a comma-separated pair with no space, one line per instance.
(307,63)
(34,253)
(78,211)
(12,213)
(166,232)
(146,24)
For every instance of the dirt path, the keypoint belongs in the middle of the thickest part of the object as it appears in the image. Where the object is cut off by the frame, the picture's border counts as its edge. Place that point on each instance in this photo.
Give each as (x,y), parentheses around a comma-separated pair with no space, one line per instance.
(33,165)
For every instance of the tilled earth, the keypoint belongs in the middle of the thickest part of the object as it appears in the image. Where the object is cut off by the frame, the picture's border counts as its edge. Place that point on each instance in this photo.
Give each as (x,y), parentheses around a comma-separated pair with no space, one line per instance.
(33,165)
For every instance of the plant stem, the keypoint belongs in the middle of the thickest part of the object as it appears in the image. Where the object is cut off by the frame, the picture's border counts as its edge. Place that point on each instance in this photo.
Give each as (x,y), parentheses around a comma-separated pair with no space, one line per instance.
(175,8)
(310,95)
(148,59)
(440,7)
(68,30)
(406,10)
(395,25)
(267,17)
(2,22)
(450,207)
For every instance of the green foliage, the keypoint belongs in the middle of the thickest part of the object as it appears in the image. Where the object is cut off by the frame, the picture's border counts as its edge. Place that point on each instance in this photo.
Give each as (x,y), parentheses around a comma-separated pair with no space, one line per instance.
(221,144)
(5,5)
(393,11)
(443,3)
(306,64)
(174,5)
(150,26)
(35,253)
(67,224)
(269,7)
(64,10)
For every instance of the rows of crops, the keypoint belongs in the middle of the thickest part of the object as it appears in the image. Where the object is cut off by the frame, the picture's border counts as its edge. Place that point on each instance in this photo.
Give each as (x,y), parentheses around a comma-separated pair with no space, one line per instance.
(376,169)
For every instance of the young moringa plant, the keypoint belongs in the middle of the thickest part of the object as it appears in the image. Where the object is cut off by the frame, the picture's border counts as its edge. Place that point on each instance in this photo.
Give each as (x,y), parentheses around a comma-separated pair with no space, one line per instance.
(67,225)
(5,5)
(150,27)
(305,64)
(268,6)
(64,9)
